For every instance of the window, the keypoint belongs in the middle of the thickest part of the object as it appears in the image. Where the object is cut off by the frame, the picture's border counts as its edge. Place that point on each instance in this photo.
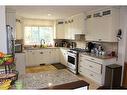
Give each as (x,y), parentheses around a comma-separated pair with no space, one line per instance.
(33,35)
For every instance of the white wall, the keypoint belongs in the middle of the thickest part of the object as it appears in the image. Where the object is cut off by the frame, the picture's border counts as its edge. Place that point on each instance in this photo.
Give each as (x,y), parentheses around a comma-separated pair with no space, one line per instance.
(122,43)
(3,38)
(30,22)
(125,30)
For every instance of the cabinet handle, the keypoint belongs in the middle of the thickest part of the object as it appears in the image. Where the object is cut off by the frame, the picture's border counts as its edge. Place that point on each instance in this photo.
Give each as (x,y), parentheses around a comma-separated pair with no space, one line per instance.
(101,69)
(92,59)
(90,66)
(91,75)
(41,52)
(99,39)
(81,56)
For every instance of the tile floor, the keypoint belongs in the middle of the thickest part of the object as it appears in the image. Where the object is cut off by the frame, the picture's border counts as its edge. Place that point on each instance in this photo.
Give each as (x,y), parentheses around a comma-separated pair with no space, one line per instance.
(44,68)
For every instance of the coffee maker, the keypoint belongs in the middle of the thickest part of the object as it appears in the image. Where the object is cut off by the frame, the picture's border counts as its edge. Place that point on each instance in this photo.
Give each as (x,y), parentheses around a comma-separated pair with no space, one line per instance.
(89,46)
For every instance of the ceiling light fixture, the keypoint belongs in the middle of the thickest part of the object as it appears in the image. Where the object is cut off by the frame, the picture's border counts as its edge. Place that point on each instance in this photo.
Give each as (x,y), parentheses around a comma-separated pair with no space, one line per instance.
(49,14)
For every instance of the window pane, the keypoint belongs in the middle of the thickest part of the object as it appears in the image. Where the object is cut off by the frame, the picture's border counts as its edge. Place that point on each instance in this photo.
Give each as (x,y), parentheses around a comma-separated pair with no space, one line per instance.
(33,35)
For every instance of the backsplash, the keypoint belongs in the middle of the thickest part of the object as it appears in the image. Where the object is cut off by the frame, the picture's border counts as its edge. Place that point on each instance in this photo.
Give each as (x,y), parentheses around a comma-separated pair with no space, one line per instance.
(81,44)
(108,46)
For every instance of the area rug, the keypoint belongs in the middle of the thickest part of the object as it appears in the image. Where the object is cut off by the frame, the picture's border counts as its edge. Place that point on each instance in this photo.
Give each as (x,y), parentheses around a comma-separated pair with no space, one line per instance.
(59,66)
(45,79)
(36,69)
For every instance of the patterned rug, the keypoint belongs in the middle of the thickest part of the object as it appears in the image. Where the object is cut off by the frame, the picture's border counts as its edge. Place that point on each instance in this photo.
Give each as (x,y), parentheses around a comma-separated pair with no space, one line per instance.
(47,79)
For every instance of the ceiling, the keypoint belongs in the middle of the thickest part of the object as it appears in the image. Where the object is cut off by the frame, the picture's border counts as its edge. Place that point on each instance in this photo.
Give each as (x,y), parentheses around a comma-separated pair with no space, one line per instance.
(50,12)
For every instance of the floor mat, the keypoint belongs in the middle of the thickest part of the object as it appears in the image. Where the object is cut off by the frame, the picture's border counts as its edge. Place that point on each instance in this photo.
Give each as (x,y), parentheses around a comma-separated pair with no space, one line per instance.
(36,69)
(59,66)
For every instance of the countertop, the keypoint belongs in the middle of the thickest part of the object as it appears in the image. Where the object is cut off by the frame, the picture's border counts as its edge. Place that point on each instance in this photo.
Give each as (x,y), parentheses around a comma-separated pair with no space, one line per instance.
(31,48)
(99,56)
(46,79)
(37,48)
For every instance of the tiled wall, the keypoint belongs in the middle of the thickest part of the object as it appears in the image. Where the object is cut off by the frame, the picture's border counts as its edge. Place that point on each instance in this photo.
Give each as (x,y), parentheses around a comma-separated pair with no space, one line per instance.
(81,44)
(108,46)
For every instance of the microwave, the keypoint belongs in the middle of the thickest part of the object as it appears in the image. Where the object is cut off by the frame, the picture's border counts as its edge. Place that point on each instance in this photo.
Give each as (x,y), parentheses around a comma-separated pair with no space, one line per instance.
(18,48)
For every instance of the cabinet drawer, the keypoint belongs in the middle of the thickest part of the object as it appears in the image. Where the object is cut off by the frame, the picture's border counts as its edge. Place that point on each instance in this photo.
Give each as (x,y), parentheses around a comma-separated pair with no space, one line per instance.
(97,60)
(95,67)
(94,76)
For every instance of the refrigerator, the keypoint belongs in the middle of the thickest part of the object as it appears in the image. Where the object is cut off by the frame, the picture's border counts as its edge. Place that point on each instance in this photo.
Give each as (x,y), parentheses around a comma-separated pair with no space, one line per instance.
(10,40)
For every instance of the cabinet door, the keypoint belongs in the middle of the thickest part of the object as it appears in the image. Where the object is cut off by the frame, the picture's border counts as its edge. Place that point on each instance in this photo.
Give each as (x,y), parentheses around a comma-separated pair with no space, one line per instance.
(63,57)
(66,31)
(55,56)
(91,30)
(49,56)
(20,62)
(103,27)
(60,33)
(31,58)
(44,56)
(79,23)
(71,31)
(106,28)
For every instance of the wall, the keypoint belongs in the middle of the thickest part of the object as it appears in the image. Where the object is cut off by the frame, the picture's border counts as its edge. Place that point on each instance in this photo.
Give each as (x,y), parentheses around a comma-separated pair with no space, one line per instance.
(81,44)
(126,52)
(3,38)
(30,22)
(10,19)
(19,28)
(122,43)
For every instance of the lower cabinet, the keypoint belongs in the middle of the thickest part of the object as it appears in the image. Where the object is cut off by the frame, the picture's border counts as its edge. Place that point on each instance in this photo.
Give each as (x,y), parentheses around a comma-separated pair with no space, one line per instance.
(63,56)
(92,75)
(52,56)
(31,57)
(20,62)
(42,56)
(94,68)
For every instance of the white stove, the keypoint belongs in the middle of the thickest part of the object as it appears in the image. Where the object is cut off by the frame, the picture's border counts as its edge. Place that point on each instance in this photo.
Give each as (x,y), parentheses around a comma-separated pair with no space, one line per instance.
(72,60)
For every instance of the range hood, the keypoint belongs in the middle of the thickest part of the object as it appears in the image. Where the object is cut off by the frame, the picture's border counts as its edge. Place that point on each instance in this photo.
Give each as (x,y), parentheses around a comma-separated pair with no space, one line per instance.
(79,37)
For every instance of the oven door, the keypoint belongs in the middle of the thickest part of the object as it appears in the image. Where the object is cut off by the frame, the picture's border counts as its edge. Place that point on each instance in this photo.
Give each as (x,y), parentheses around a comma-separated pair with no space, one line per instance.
(72,60)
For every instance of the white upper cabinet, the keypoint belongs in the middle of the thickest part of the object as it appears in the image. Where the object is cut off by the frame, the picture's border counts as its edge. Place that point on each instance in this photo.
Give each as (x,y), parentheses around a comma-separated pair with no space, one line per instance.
(71,26)
(60,29)
(76,25)
(102,25)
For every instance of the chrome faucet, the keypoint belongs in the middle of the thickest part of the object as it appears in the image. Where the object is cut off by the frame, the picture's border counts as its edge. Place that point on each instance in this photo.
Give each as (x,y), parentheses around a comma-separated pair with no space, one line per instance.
(41,42)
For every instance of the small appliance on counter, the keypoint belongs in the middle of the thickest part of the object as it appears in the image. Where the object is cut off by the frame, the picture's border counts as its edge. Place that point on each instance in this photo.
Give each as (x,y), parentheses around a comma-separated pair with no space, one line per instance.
(95,48)
(89,46)
(18,46)
(73,45)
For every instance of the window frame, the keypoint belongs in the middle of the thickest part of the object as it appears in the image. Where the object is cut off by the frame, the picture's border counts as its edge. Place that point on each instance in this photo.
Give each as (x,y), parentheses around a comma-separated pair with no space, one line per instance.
(38,27)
